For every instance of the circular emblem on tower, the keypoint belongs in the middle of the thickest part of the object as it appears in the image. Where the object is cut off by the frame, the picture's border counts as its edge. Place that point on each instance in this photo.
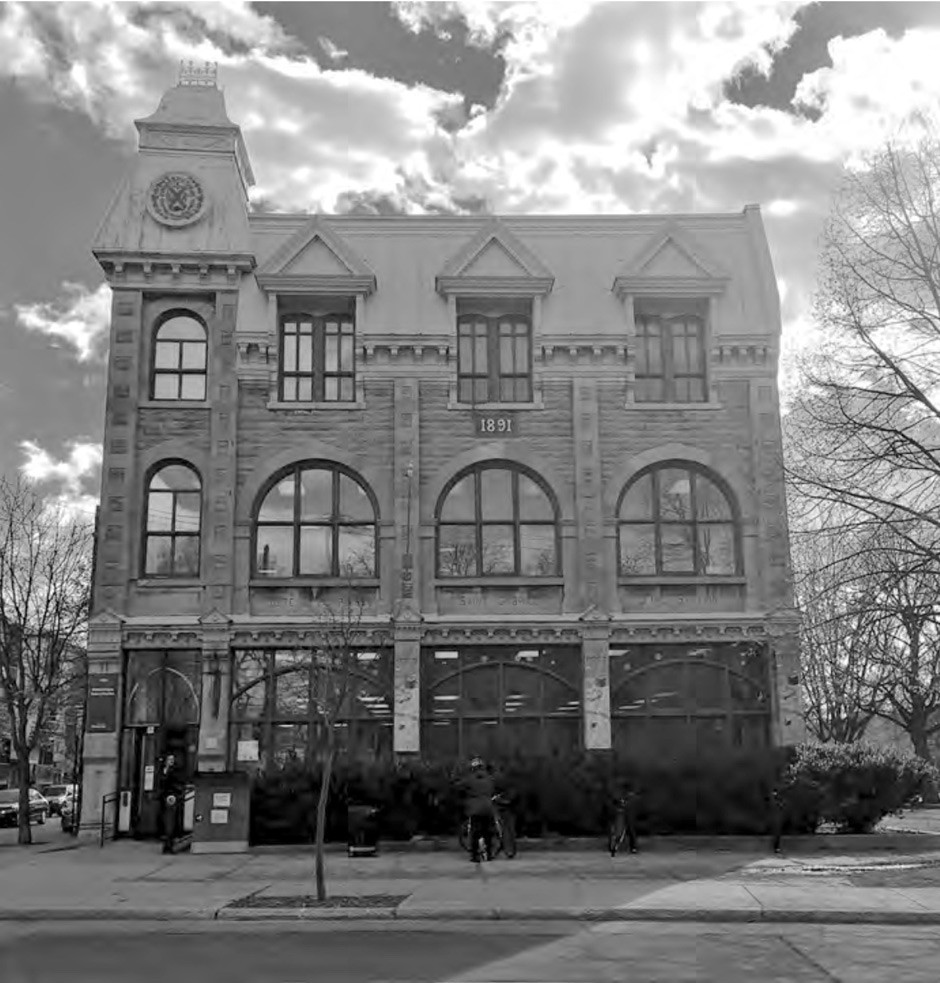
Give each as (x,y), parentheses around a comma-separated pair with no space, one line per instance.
(176,199)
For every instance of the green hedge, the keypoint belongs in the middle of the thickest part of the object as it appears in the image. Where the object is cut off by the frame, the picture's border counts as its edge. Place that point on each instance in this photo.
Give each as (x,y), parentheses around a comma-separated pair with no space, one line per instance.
(852,786)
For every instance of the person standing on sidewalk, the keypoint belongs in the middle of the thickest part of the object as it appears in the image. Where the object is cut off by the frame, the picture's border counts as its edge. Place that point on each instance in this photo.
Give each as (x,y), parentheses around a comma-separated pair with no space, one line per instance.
(172,794)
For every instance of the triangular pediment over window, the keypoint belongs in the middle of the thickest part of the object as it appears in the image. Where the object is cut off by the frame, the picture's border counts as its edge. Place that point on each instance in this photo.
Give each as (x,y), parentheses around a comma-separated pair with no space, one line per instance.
(494,261)
(672,263)
(316,260)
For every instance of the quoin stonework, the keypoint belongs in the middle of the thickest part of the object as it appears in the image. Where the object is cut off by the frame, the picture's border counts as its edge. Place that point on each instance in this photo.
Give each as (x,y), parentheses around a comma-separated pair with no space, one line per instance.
(543,449)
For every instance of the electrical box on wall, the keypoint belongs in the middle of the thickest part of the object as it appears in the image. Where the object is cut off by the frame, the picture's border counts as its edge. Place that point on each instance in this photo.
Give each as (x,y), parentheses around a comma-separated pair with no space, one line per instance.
(221,812)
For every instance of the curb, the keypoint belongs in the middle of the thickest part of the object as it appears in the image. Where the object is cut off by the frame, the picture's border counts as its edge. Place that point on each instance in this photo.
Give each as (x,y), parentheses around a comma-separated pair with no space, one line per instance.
(287,915)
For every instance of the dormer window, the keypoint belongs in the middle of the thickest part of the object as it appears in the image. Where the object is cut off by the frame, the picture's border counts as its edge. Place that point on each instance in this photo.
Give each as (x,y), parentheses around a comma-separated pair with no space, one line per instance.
(317,350)
(670,350)
(494,350)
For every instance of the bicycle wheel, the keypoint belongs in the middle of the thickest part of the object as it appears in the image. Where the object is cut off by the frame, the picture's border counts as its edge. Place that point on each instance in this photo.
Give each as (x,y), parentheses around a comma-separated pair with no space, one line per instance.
(508,837)
(615,835)
(463,836)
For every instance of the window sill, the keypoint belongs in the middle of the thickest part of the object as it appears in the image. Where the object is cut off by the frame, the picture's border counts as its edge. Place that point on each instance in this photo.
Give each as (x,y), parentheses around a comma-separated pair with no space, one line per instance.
(536,404)
(175,404)
(520,581)
(150,582)
(313,582)
(308,407)
(672,406)
(689,580)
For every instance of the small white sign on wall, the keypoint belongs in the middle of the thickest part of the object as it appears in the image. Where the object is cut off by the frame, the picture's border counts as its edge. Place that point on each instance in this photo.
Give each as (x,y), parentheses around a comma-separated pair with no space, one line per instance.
(218,816)
(221,800)
(247,751)
(148,778)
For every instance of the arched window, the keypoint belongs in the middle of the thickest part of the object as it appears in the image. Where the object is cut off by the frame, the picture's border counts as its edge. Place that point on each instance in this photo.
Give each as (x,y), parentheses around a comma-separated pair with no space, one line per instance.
(174,511)
(316,520)
(497,520)
(179,358)
(677,520)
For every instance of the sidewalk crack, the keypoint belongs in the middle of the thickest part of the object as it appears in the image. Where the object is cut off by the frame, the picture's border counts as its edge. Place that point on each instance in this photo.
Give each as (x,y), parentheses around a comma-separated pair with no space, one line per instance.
(793,947)
(760,904)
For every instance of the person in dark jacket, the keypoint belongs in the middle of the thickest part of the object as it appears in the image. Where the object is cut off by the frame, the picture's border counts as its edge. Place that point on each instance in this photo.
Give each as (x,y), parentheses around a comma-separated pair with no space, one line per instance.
(172,794)
(478,791)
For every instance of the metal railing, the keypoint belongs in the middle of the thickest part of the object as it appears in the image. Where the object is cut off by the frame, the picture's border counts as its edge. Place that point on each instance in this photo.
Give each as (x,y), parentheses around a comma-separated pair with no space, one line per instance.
(110,799)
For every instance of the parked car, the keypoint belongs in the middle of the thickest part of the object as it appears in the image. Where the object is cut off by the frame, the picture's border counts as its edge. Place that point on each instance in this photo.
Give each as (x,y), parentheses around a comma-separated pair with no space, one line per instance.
(10,807)
(55,795)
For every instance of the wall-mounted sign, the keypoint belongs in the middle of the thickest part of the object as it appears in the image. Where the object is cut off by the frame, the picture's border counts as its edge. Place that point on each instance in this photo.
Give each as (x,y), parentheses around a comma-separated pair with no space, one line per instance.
(247,751)
(495,424)
(221,800)
(218,816)
(102,703)
(148,777)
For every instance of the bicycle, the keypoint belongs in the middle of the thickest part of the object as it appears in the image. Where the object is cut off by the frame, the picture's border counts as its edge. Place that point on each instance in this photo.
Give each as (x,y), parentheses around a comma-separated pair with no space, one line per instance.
(504,832)
(622,825)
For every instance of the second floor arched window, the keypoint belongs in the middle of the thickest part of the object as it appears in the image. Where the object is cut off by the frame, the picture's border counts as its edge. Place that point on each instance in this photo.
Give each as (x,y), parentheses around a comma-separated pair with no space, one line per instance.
(497,519)
(316,519)
(676,519)
(179,358)
(173,523)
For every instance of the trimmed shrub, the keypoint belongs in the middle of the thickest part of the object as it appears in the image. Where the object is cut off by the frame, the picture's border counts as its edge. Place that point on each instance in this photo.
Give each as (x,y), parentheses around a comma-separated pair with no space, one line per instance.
(854,786)
(730,792)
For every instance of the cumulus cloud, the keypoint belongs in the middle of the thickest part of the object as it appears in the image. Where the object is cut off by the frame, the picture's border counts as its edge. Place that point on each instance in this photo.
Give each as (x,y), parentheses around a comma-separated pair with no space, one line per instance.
(72,480)
(878,88)
(81,318)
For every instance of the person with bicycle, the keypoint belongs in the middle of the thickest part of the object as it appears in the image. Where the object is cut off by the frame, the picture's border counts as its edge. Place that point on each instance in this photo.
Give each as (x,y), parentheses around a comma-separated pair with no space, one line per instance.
(478,791)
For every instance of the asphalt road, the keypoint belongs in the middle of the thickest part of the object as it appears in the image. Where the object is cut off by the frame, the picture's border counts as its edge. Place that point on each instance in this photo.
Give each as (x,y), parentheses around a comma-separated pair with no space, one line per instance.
(466,953)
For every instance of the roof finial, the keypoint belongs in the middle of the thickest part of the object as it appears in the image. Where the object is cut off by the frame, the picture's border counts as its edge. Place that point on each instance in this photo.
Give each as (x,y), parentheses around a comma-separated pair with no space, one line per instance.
(192,73)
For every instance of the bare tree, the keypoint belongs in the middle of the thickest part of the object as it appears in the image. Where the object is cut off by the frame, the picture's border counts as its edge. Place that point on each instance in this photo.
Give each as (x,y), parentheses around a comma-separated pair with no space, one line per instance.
(45,578)
(864,430)
(907,609)
(341,636)
(842,637)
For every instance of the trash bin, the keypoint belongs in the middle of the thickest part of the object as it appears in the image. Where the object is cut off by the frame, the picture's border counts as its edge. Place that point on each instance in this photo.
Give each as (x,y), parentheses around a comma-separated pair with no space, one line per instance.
(362,830)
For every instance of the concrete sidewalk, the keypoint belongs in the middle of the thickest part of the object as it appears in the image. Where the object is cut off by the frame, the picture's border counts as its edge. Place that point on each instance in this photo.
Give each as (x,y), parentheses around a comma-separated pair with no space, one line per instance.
(129,880)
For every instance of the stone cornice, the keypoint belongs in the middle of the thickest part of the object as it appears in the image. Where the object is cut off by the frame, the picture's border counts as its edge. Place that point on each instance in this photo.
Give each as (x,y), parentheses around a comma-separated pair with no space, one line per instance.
(698,630)
(308,283)
(581,347)
(669,286)
(494,286)
(172,270)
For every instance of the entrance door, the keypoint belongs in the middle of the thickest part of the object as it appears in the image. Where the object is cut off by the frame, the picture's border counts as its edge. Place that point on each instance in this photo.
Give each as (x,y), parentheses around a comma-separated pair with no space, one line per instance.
(151,751)
(161,718)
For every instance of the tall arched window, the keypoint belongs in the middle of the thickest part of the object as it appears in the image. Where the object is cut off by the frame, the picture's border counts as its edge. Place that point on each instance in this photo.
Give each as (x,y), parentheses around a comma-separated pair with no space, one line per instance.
(174,512)
(316,520)
(675,519)
(497,520)
(180,358)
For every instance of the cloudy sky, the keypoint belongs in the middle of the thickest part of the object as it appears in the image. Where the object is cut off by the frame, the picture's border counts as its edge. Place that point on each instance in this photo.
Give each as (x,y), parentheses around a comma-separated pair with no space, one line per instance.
(425,107)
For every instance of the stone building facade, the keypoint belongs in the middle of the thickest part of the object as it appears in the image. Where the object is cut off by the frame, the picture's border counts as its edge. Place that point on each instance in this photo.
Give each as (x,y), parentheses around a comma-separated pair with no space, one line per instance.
(543,451)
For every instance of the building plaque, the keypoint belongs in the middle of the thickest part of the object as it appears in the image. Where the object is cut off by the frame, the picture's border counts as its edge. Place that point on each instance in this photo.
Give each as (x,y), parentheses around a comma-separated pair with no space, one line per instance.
(102,703)
(495,424)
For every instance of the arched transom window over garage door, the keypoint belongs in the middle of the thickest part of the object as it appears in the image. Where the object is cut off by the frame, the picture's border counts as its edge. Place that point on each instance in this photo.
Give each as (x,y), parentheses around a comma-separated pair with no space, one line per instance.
(672,699)
(497,699)
(497,519)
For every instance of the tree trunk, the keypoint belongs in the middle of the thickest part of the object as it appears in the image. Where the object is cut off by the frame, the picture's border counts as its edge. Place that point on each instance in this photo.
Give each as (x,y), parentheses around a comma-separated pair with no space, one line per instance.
(25,832)
(917,730)
(321,815)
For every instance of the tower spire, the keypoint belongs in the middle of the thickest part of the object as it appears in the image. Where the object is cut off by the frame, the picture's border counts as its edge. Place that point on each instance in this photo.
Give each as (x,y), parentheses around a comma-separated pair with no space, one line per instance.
(206,74)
